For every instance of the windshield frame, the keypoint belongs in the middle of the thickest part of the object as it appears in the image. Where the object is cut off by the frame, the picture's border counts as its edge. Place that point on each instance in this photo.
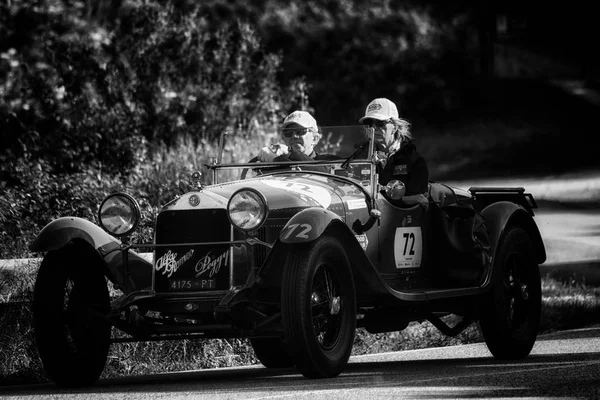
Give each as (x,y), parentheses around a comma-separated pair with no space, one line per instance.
(217,164)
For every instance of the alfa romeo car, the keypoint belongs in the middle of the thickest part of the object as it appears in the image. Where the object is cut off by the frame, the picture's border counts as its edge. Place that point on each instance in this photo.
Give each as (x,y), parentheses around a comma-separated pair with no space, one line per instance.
(294,260)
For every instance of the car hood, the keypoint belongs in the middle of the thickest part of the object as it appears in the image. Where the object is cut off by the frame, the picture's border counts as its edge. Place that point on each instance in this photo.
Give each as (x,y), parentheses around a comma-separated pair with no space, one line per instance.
(283,192)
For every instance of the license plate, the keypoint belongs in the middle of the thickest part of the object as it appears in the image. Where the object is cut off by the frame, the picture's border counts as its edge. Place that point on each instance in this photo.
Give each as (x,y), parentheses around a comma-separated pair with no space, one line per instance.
(191,268)
(178,285)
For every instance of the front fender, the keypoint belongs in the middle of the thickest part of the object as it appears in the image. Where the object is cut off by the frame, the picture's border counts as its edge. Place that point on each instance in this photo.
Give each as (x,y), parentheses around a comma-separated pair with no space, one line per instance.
(307,225)
(503,213)
(65,230)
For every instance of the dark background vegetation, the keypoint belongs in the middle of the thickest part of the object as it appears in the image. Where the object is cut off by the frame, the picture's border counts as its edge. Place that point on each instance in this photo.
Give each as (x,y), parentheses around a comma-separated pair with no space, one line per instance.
(93,94)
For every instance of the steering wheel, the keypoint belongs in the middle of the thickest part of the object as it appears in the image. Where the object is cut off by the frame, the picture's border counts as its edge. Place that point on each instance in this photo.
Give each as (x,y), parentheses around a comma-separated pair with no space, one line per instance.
(245,170)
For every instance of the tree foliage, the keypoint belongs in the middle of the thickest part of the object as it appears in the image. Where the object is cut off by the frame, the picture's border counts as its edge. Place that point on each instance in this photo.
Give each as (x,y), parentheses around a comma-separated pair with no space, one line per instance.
(76,92)
(418,53)
(87,95)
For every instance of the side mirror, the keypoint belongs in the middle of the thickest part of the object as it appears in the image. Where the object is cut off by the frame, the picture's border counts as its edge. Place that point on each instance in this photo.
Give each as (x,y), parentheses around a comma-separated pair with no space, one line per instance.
(395,189)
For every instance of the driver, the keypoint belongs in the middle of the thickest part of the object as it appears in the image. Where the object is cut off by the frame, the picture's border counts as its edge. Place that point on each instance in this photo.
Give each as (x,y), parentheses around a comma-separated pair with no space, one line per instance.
(300,135)
(397,153)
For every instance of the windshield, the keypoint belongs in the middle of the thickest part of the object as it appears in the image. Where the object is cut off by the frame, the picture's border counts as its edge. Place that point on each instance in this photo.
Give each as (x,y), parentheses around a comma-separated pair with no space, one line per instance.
(336,145)
(342,141)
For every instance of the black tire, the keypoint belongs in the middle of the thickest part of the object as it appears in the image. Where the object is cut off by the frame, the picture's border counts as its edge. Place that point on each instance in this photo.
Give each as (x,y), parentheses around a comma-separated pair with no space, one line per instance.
(271,352)
(511,309)
(70,304)
(318,305)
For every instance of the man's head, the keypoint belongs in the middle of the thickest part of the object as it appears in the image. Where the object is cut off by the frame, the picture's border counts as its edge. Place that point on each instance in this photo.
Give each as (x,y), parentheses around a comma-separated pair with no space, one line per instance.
(301,132)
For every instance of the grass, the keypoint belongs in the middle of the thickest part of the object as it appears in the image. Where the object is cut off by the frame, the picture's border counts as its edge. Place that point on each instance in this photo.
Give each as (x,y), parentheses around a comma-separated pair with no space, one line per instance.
(569,305)
(566,305)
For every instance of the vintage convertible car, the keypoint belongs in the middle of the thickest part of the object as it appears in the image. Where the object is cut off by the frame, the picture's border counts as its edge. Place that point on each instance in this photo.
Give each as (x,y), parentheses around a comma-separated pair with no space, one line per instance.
(293,259)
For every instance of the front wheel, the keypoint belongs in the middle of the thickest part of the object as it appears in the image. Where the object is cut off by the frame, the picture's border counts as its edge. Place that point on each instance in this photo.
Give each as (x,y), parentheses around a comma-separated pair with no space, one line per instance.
(511,309)
(318,305)
(70,305)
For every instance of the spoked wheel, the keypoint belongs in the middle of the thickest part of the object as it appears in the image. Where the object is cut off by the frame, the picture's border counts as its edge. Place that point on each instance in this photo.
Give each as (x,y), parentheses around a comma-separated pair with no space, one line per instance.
(271,352)
(245,170)
(319,308)
(70,304)
(510,312)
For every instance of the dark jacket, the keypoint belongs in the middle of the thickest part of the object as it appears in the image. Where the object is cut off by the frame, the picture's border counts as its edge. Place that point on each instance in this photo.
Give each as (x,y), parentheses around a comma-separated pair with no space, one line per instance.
(406,165)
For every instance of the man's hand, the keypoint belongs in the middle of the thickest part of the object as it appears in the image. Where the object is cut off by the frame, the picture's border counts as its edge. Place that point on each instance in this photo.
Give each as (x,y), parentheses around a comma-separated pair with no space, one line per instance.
(381,157)
(268,153)
(299,147)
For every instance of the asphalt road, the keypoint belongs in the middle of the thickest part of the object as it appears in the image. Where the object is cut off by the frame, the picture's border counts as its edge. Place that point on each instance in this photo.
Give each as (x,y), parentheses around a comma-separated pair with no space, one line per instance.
(572,240)
(562,365)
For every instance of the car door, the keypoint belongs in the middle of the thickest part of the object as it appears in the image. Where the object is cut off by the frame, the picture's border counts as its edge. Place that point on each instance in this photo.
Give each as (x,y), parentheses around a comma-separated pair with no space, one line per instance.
(404,244)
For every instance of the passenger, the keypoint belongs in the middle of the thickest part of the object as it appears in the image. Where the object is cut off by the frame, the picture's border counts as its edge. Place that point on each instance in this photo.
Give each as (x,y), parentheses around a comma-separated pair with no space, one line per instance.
(300,135)
(397,153)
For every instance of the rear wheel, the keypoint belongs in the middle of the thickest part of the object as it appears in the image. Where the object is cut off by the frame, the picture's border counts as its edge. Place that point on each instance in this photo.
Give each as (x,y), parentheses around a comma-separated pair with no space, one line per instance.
(271,352)
(70,304)
(510,312)
(319,307)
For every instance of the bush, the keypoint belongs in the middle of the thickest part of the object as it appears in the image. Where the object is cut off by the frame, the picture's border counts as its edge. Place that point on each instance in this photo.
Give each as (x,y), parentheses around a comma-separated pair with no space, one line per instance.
(37,196)
(77,93)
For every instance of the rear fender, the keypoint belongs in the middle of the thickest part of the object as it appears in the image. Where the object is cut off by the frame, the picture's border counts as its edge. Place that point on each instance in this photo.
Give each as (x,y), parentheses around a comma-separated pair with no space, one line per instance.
(63,231)
(504,213)
(307,225)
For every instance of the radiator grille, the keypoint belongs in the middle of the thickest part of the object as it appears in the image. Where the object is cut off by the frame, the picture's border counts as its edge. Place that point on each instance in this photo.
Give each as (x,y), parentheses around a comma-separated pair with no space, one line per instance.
(183,267)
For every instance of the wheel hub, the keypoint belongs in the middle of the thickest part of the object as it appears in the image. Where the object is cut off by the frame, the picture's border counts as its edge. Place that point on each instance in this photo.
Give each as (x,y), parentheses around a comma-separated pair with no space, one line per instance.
(335,305)
(315,298)
(524,292)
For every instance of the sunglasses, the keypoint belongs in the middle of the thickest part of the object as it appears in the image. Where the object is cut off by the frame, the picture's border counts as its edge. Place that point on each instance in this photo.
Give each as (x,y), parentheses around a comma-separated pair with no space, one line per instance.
(290,132)
(374,123)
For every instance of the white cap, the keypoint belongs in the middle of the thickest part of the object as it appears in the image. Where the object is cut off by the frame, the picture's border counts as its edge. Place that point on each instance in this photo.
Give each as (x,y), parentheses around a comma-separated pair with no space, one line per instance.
(301,118)
(380,109)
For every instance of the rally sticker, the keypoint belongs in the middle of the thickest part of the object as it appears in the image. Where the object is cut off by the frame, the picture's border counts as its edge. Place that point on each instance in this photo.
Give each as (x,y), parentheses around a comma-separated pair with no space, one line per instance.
(316,193)
(408,247)
(355,204)
(363,241)
(400,169)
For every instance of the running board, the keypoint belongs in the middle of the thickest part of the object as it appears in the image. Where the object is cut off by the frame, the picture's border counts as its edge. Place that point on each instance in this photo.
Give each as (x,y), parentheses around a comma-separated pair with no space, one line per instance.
(434,294)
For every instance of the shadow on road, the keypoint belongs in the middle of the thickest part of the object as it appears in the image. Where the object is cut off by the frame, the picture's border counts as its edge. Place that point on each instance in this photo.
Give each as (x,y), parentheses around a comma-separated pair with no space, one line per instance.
(480,377)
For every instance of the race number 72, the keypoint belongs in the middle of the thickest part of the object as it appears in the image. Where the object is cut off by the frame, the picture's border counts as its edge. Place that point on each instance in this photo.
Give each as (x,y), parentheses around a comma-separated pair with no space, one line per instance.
(408,247)
(297,231)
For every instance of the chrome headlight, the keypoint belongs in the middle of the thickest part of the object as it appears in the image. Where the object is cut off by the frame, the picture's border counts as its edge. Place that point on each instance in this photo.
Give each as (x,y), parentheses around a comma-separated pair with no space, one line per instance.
(119,214)
(247,209)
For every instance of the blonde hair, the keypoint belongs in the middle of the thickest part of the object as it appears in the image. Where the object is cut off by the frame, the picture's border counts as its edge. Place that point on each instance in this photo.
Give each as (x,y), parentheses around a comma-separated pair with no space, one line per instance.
(402,134)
